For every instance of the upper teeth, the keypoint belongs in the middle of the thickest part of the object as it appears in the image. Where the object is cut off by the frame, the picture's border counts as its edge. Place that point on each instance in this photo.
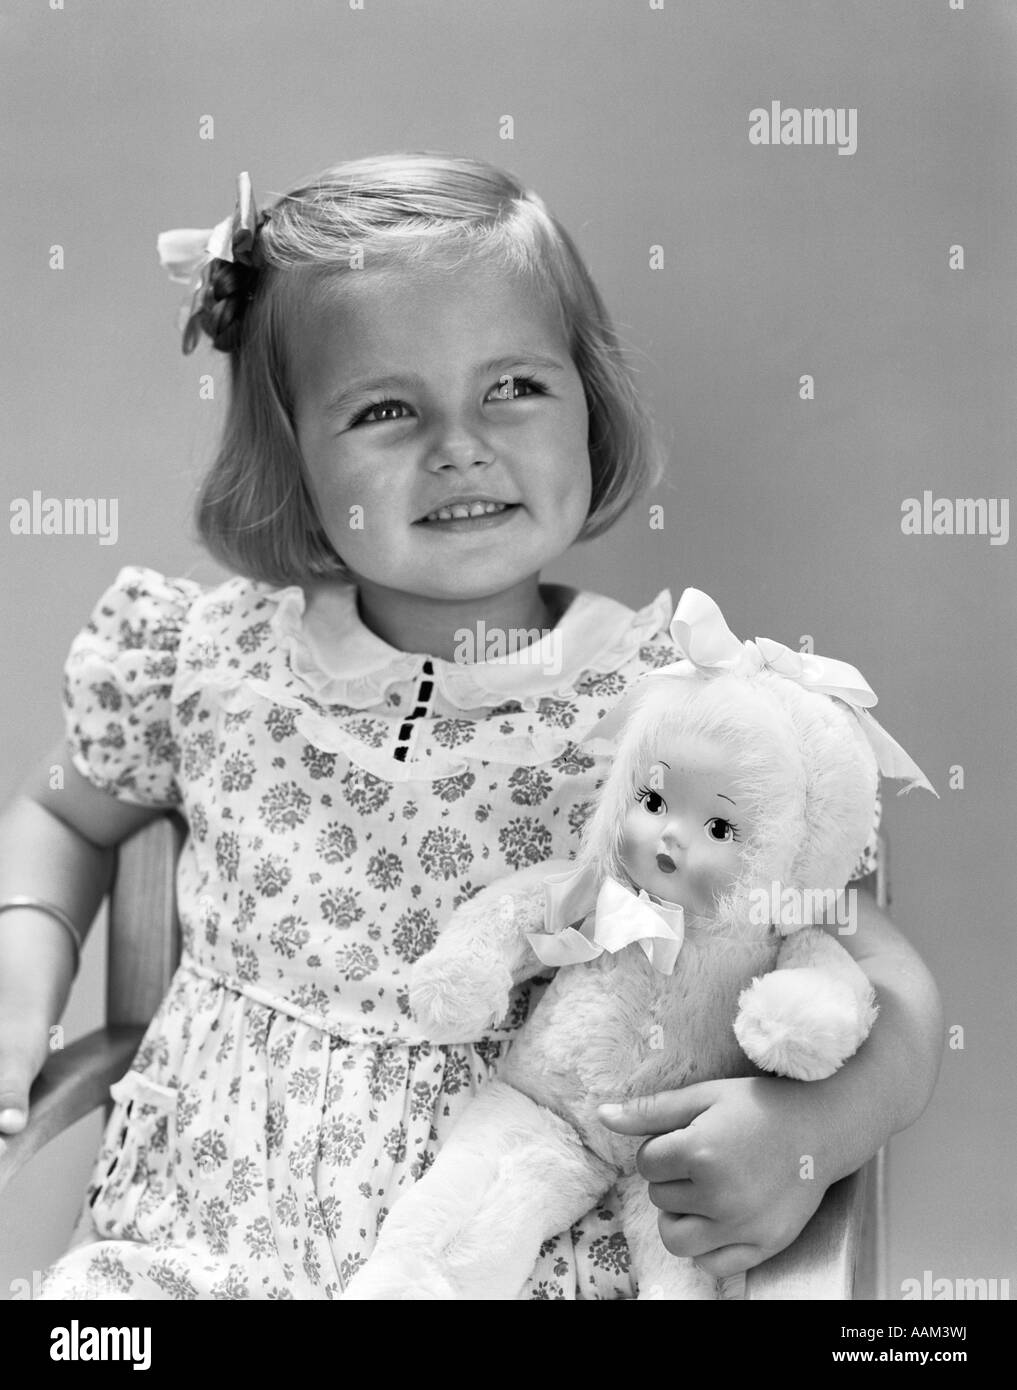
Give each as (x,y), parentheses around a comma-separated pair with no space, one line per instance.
(461,510)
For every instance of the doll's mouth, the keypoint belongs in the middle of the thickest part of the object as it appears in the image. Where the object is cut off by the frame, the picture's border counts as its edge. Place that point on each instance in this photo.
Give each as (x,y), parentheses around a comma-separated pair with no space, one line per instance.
(666,864)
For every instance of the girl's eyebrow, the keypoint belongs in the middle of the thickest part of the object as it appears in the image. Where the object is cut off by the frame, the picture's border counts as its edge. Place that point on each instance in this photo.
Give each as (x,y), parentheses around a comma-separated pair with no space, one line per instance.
(353,390)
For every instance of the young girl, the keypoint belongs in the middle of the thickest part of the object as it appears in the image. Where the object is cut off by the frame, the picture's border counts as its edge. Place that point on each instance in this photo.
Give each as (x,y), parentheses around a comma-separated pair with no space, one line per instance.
(428,406)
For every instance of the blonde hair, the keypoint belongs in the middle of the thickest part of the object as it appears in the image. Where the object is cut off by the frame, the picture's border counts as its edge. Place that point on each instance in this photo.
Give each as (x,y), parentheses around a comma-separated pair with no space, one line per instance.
(255,511)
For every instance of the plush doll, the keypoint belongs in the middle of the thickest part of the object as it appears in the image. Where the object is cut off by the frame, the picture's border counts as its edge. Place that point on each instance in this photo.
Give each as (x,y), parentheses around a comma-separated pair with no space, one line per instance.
(738,803)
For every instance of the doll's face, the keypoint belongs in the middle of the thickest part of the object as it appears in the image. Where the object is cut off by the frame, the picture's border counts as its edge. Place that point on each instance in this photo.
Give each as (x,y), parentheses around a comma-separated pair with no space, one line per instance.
(685,832)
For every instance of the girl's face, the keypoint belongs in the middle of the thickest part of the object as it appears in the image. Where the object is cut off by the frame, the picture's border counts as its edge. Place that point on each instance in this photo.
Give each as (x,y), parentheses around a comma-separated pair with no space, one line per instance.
(436,390)
(685,831)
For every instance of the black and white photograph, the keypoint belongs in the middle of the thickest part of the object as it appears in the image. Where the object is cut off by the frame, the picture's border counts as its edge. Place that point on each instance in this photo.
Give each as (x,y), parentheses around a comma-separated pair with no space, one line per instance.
(510,629)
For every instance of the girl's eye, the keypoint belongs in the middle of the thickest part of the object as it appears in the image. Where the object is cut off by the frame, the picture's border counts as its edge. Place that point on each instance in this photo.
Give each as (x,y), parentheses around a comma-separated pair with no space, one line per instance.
(507,386)
(376,405)
(506,390)
(653,801)
(720,829)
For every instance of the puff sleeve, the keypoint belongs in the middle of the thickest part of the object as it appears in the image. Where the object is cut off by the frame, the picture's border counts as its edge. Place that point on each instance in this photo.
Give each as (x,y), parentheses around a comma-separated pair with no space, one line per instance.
(118,682)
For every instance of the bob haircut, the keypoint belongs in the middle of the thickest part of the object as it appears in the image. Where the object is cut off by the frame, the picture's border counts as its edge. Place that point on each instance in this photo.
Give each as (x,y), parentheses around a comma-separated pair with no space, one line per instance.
(807,772)
(380,215)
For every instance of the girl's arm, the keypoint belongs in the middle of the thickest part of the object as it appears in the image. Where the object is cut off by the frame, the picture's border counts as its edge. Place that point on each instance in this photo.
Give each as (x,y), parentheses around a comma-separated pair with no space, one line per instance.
(895,1074)
(55,844)
(737,1167)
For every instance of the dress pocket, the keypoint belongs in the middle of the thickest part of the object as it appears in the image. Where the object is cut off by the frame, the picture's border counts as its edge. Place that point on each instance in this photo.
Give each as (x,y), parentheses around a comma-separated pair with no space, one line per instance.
(133,1192)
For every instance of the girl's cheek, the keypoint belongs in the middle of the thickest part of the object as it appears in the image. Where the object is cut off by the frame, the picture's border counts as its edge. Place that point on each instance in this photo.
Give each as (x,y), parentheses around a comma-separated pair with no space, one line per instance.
(575,484)
(344,490)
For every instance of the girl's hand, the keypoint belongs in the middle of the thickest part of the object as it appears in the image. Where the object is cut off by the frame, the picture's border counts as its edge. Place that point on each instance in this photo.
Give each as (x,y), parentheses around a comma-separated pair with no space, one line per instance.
(24,1047)
(737,1167)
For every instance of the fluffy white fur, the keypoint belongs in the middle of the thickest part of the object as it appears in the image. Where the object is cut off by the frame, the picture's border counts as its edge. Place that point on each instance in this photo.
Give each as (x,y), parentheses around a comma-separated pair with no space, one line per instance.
(529,1157)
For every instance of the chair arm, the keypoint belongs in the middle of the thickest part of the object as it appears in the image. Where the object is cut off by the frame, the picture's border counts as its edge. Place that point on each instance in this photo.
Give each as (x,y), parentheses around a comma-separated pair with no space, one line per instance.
(74,1081)
(820,1264)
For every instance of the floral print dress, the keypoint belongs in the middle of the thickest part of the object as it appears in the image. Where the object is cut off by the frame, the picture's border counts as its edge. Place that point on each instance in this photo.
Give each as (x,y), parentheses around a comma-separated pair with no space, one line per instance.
(283,1098)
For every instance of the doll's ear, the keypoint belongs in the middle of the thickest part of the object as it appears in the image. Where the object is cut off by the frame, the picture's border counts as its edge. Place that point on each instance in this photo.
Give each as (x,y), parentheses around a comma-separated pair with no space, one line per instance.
(793,909)
(841,779)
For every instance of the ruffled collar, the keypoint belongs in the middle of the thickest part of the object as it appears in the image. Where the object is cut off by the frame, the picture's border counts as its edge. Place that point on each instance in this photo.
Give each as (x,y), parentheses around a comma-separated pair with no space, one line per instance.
(594,634)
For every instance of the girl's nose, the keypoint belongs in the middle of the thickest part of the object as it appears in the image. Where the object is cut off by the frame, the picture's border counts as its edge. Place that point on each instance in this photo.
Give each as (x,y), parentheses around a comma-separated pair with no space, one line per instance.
(460,444)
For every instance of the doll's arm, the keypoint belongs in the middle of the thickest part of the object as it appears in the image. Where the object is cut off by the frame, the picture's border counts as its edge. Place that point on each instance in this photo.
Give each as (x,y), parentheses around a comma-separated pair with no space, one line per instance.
(461,986)
(811,1013)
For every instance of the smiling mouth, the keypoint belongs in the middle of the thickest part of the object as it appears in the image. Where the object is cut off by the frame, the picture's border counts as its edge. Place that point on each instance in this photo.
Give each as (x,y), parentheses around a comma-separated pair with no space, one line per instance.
(666,864)
(467,511)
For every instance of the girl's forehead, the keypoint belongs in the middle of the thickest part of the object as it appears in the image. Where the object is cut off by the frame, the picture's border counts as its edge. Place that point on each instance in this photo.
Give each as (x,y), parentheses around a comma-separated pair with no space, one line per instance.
(415,322)
(394,302)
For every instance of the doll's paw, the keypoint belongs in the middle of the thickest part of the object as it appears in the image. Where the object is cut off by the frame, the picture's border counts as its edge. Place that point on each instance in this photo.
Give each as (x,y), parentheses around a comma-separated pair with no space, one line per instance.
(801,1023)
(392,1276)
(456,1000)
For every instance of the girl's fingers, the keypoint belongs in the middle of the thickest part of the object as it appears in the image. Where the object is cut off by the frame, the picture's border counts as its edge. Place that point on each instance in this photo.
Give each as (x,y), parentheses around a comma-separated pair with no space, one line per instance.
(669,1158)
(657,1114)
(687,1235)
(678,1197)
(14,1084)
(19,1066)
(730,1259)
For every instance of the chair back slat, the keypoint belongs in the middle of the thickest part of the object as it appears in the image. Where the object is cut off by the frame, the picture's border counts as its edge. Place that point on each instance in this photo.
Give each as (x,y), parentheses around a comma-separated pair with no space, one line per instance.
(144,929)
(872,1270)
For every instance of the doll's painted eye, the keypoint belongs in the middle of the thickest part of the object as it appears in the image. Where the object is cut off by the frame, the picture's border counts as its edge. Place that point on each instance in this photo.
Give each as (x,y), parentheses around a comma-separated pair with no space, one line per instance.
(653,801)
(722,830)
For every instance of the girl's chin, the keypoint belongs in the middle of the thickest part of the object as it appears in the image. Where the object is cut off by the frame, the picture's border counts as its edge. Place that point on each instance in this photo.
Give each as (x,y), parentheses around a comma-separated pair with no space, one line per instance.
(478,578)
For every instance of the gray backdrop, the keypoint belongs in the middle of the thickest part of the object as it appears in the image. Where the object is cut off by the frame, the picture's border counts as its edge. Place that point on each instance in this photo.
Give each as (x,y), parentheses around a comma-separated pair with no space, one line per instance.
(632,122)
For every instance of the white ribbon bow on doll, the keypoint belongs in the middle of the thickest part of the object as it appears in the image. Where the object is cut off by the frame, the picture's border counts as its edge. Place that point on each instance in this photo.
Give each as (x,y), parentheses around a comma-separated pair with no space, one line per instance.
(710,648)
(614,916)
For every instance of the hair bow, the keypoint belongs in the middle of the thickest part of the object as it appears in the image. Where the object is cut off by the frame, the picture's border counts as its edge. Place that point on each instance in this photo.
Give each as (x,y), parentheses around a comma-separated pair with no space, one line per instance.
(709,647)
(187,252)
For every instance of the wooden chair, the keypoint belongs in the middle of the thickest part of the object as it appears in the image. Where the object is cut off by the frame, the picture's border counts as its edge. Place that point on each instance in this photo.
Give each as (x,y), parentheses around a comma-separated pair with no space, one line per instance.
(839,1254)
